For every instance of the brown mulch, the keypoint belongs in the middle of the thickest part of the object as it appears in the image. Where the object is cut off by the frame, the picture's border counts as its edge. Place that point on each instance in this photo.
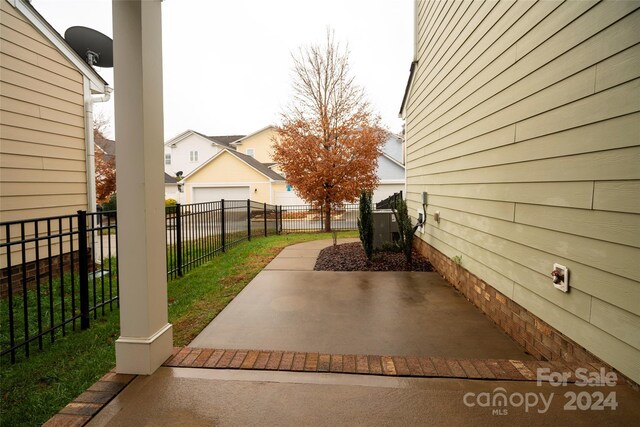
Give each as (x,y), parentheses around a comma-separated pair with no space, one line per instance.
(351,257)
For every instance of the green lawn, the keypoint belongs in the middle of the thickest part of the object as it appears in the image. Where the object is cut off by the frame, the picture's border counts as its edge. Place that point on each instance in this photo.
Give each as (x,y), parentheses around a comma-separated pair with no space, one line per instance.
(35,389)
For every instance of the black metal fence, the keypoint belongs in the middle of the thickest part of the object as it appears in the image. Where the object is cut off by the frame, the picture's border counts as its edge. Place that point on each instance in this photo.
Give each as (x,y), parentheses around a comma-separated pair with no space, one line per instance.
(197,232)
(58,272)
(55,273)
(306,218)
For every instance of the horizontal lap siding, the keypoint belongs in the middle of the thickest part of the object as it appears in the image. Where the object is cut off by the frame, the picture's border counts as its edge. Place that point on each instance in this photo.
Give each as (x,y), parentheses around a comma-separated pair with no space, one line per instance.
(43,169)
(523,126)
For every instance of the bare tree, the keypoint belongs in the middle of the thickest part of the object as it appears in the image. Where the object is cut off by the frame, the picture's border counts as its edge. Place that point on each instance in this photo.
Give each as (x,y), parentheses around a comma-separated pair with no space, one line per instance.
(329,140)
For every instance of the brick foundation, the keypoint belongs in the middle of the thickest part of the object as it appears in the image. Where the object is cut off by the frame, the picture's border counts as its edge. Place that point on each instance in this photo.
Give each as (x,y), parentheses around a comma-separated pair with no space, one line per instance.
(29,270)
(537,337)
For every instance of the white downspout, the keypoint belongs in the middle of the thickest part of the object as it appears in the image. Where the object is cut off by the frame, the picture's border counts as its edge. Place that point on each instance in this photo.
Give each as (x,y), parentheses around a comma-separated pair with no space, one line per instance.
(89,99)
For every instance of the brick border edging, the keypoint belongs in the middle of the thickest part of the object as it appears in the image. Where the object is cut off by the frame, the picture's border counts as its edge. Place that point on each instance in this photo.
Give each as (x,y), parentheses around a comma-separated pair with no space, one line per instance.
(537,337)
(88,404)
(398,366)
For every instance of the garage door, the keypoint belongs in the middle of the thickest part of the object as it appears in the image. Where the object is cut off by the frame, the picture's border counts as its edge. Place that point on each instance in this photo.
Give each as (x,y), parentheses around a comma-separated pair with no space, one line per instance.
(385,190)
(213,194)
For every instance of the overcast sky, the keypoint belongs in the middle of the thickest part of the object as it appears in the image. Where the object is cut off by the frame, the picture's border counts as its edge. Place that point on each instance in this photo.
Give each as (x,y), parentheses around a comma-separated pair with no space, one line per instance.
(227,64)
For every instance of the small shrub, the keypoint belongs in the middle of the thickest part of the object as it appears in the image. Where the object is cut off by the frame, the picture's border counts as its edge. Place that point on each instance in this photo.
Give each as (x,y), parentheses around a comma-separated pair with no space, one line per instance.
(111,204)
(405,229)
(365,223)
(170,206)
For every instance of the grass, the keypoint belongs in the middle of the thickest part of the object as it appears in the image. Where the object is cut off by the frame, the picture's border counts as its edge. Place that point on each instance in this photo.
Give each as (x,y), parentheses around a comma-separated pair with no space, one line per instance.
(37,388)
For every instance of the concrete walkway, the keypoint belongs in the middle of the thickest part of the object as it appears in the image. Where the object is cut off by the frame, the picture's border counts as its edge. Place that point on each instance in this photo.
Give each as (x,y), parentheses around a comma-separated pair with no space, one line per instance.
(290,307)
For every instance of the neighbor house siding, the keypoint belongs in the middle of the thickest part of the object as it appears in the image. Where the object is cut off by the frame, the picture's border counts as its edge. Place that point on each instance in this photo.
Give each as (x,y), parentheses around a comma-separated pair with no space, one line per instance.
(523,126)
(261,142)
(42,137)
(228,171)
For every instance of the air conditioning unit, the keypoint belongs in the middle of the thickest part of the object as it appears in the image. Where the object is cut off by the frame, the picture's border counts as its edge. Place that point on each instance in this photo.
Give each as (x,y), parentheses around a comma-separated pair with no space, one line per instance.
(385,228)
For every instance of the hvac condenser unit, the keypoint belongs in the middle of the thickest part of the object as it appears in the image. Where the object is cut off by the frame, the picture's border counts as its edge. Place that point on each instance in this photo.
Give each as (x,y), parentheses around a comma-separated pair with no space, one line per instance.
(385,228)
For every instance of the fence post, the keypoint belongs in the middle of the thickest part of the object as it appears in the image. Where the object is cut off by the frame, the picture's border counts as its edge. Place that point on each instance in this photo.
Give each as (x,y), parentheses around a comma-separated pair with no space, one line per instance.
(277,229)
(321,218)
(222,224)
(265,219)
(179,238)
(249,219)
(83,260)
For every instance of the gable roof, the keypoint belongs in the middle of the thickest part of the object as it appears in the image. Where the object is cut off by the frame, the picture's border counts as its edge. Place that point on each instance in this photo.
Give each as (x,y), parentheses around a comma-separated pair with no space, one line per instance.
(168,179)
(239,140)
(253,163)
(97,83)
(222,140)
(107,146)
(226,139)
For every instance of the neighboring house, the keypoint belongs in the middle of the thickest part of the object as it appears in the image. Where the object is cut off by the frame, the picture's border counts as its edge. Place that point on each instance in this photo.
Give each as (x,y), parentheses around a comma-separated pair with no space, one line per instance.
(105,146)
(390,169)
(46,133)
(231,175)
(523,134)
(172,189)
(189,150)
(257,145)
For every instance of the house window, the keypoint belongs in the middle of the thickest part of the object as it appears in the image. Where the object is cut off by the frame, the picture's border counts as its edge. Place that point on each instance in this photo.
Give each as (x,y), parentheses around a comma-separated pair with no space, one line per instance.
(167,158)
(288,187)
(193,156)
(251,152)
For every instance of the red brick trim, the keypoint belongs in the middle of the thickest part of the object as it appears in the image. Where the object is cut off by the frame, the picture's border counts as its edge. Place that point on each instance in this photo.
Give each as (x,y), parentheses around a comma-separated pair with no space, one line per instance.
(538,338)
(397,366)
(88,404)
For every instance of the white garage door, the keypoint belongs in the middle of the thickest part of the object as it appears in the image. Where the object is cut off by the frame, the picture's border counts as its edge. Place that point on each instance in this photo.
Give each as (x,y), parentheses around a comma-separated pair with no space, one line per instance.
(213,194)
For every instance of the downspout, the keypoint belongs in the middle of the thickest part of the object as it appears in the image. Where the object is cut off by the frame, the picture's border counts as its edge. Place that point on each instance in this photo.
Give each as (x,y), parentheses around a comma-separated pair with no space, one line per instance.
(89,99)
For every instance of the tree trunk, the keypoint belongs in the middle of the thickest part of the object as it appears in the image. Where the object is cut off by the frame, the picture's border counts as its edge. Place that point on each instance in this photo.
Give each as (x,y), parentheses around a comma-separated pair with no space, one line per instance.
(327,217)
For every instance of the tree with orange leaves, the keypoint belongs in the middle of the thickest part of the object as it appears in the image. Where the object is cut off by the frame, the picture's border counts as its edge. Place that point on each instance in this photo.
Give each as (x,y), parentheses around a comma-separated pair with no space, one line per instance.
(105,165)
(329,140)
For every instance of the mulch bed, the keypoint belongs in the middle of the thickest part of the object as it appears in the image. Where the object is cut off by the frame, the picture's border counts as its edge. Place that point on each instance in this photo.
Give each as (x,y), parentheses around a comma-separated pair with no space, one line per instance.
(351,257)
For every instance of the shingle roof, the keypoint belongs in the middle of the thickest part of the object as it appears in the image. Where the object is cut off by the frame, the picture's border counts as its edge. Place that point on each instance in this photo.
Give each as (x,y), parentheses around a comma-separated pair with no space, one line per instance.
(108,146)
(226,139)
(168,179)
(261,167)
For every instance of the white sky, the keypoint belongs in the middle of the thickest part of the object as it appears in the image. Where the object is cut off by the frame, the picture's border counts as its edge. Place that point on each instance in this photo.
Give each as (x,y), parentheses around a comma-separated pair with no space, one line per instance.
(227,64)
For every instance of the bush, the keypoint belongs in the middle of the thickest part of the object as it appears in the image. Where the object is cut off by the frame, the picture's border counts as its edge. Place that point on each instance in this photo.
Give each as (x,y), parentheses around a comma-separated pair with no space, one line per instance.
(111,204)
(365,223)
(405,230)
(170,205)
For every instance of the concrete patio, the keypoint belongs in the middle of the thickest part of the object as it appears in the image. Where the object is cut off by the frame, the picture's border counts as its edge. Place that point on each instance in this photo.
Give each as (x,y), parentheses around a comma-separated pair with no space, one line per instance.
(289,308)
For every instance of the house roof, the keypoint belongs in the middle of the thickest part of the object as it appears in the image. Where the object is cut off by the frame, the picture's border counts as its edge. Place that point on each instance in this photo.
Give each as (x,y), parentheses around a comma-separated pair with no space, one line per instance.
(97,83)
(226,139)
(107,146)
(168,179)
(260,167)
(253,163)
(408,88)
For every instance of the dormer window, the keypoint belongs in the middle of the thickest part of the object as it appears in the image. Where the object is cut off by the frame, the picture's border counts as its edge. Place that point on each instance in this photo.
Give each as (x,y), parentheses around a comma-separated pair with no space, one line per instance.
(193,156)
(251,152)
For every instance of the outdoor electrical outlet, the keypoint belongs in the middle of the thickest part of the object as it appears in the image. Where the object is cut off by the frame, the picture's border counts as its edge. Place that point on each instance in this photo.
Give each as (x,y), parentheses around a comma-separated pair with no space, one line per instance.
(420,215)
(560,277)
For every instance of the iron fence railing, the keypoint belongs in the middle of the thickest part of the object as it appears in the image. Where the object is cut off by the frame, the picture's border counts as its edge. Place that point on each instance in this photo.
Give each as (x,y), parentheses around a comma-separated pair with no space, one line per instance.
(307,218)
(57,273)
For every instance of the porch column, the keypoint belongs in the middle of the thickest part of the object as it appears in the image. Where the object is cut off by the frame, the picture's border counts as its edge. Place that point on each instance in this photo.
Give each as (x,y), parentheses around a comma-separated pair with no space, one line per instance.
(146,338)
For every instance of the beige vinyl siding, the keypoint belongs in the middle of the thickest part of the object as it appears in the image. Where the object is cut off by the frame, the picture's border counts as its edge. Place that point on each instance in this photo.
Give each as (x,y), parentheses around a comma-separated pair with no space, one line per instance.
(42,170)
(523,126)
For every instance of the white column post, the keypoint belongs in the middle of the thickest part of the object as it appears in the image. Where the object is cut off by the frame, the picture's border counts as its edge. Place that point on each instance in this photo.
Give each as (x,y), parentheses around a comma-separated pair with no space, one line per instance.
(146,338)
